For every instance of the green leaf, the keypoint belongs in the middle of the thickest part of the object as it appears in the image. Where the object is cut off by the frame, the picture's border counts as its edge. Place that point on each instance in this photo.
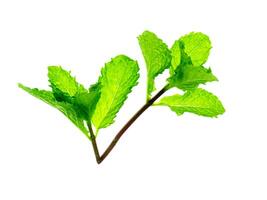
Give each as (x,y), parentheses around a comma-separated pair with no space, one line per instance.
(63,85)
(197,46)
(189,77)
(118,77)
(197,101)
(85,102)
(157,57)
(66,108)
(176,56)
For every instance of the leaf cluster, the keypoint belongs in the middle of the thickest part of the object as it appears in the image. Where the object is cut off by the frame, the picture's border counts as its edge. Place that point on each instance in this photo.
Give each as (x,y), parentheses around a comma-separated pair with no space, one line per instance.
(98,105)
(185,61)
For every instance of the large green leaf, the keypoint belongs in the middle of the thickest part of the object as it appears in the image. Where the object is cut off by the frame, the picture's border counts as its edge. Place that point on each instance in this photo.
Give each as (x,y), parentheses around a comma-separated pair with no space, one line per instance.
(157,57)
(197,101)
(66,108)
(197,46)
(118,77)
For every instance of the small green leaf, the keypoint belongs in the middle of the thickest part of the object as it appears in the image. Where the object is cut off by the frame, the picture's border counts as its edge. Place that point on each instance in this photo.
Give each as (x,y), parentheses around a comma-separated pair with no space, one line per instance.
(176,57)
(85,102)
(157,57)
(189,77)
(197,101)
(66,108)
(63,85)
(118,77)
(197,46)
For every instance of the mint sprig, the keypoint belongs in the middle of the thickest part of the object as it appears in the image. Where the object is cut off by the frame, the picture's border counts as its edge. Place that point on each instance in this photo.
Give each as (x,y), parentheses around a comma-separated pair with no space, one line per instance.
(95,108)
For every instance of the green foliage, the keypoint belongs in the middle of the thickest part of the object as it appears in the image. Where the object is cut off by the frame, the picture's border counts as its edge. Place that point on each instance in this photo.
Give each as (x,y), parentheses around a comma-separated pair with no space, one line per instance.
(197,46)
(85,102)
(157,57)
(63,85)
(118,77)
(189,77)
(187,72)
(189,53)
(66,108)
(100,104)
(176,57)
(197,101)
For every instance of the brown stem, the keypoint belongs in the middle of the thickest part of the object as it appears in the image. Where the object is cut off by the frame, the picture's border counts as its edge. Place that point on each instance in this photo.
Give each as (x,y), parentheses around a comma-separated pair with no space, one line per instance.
(99,159)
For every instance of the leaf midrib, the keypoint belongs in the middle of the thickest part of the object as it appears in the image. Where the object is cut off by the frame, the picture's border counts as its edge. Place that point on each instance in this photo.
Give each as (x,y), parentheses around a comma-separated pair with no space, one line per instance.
(187,106)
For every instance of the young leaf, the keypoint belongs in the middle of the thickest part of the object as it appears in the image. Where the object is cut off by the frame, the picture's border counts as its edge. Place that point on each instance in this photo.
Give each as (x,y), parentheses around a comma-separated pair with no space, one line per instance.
(197,46)
(63,85)
(85,102)
(118,77)
(189,77)
(64,107)
(196,101)
(157,57)
(176,57)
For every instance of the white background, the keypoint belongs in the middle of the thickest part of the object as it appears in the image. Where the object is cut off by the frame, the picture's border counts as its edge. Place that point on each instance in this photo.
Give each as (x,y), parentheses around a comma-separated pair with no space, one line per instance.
(162,156)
